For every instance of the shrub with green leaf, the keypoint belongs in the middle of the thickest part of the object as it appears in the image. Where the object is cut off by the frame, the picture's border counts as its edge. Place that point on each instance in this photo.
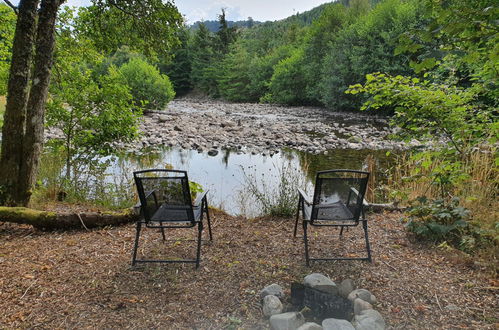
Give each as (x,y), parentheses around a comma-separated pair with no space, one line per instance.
(444,221)
(149,88)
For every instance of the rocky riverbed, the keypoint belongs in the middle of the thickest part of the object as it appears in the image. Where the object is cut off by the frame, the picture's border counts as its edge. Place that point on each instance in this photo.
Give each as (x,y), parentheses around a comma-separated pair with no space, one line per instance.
(208,125)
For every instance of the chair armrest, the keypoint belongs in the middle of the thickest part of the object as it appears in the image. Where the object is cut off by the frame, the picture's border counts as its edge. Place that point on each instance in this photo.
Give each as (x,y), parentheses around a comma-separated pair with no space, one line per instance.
(305,197)
(355,191)
(199,198)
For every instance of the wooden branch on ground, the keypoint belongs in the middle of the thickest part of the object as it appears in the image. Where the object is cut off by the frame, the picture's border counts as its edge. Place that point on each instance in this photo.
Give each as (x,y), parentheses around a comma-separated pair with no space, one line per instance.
(51,220)
(373,207)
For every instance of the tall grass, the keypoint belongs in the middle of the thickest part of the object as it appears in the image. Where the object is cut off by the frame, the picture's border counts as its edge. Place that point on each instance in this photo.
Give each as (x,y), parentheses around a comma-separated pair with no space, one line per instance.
(477,188)
(279,199)
(90,185)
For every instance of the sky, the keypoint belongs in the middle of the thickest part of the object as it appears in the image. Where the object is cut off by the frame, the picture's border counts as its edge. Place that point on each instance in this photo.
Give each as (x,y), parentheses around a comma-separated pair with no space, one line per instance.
(259,10)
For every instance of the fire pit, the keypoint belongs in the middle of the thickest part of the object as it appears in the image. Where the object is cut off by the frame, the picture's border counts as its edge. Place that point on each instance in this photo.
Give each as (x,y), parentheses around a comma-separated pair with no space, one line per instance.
(318,300)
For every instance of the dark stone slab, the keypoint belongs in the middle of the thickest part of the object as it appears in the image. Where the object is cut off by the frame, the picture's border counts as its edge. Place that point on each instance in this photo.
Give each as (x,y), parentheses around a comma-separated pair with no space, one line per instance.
(324,305)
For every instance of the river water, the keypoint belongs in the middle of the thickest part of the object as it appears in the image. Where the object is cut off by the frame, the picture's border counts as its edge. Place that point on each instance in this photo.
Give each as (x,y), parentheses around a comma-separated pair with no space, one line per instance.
(228,174)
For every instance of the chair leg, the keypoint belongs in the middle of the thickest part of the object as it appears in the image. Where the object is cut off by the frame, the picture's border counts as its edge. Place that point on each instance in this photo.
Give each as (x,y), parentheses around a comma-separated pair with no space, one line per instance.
(341,231)
(198,253)
(305,240)
(208,218)
(136,244)
(297,215)
(368,247)
(163,234)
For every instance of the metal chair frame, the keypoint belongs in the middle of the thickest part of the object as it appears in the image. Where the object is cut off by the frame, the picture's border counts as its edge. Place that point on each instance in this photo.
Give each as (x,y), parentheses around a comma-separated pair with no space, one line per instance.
(358,216)
(192,221)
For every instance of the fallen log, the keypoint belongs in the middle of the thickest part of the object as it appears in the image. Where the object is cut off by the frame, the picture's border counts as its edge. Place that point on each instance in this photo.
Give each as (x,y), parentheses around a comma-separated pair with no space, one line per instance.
(47,220)
(373,207)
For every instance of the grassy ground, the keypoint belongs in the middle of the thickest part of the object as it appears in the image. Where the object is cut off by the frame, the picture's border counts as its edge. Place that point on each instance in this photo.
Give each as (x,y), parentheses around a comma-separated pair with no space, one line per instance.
(82,279)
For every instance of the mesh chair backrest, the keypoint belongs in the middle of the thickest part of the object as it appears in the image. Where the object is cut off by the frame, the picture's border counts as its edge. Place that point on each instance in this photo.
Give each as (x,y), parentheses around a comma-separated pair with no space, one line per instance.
(347,187)
(163,187)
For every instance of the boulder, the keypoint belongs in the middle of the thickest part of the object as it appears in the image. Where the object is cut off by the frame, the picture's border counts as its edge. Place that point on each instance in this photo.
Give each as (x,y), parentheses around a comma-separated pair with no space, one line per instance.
(360,305)
(320,282)
(369,319)
(163,118)
(364,295)
(273,289)
(271,305)
(310,326)
(286,321)
(346,286)
(337,324)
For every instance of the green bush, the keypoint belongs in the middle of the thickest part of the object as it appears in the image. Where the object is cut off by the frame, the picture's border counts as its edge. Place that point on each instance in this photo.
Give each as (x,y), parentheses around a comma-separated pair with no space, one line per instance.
(149,88)
(444,221)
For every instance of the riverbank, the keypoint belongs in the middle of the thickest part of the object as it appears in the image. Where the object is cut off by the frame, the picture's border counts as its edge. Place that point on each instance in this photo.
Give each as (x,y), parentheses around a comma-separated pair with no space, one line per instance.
(82,279)
(211,125)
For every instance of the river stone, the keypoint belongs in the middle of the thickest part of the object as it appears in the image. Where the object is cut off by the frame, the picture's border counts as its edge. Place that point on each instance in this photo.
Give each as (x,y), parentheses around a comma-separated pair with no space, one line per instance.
(286,321)
(369,319)
(271,305)
(273,289)
(212,152)
(360,305)
(346,286)
(163,118)
(337,324)
(310,326)
(320,282)
(364,295)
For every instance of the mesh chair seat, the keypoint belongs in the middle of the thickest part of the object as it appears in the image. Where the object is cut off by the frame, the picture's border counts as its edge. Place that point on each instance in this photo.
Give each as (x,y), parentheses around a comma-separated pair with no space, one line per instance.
(176,214)
(328,212)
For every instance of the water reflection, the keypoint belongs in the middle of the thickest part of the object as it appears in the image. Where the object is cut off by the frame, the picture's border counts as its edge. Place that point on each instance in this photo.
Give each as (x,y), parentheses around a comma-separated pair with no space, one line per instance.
(224,174)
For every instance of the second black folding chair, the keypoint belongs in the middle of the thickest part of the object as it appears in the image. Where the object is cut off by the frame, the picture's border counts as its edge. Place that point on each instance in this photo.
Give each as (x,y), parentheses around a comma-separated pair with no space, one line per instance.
(338,201)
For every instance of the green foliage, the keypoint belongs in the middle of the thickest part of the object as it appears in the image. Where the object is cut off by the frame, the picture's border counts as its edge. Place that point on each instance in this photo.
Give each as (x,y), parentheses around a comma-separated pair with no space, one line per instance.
(91,114)
(149,88)
(366,46)
(148,27)
(195,189)
(287,85)
(226,35)
(179,69)
(445,221)
(424,109)
(92,111)
(203,57)
(454,99)
(122,56)
(7,27)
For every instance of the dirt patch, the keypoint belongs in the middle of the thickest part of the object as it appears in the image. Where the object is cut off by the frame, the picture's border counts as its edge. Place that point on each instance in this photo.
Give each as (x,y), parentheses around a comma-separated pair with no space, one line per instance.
(83,279)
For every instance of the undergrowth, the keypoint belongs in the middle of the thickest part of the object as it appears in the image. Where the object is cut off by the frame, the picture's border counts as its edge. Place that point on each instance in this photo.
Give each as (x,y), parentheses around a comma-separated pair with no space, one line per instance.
(455,203)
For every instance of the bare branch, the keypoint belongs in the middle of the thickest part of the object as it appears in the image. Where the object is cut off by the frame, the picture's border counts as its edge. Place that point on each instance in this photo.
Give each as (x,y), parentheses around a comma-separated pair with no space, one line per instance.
(14,8)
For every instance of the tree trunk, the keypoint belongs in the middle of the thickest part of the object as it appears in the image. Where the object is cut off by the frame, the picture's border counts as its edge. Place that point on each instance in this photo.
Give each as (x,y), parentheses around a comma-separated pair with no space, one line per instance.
(33,139)
(13,130)
(51,220)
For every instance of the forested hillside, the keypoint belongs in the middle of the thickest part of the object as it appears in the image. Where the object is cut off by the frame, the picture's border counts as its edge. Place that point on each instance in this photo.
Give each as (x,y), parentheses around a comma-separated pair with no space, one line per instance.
(308,58)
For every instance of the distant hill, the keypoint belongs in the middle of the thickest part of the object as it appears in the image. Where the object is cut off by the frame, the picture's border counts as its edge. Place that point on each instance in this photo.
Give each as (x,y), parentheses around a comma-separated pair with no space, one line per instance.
(214,25)
(305,18)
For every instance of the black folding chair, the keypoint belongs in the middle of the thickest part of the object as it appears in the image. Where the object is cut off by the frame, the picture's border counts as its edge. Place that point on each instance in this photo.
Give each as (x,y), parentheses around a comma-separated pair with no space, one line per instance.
(165,203)
(338,202)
